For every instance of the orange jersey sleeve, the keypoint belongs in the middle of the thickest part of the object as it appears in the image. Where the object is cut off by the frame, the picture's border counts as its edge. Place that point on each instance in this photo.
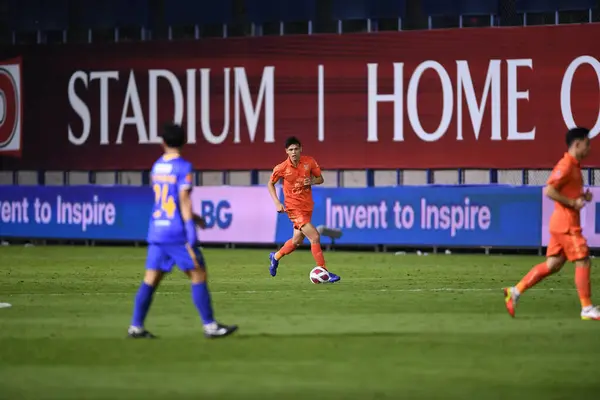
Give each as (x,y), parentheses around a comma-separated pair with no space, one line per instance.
(315,169)
(277,174)
(560,175)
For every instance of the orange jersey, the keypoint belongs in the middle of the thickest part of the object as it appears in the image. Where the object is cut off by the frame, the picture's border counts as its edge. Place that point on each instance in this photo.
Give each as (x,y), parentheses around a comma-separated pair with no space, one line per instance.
(566,178)
(297,195)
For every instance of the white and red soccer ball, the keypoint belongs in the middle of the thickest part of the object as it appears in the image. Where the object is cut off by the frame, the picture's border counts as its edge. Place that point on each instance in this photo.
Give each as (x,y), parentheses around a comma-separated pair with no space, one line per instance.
(319,275)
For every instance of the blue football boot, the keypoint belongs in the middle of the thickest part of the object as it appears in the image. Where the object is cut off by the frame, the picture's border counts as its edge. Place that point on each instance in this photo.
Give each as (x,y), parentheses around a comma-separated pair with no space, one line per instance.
(333,277)
(274,264)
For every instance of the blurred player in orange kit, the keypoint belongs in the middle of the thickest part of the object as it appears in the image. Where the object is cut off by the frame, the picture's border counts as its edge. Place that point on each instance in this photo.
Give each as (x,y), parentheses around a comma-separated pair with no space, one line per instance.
(565,187)
(299,173)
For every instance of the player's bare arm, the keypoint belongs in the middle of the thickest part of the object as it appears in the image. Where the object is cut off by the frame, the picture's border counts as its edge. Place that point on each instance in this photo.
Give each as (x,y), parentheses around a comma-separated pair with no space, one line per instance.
(187,214)
(316,176)
(555,195)
(588,196)
(186,205)
(314,180)
(273,192)
(199,221)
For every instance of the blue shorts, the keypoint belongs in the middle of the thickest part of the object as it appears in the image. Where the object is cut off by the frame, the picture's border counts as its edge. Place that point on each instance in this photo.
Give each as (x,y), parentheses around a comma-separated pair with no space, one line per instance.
(164,256)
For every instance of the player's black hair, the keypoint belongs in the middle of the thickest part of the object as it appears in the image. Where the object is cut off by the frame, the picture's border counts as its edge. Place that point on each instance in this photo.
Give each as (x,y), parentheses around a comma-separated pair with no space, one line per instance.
(291,141)
(173,135)
(574,134)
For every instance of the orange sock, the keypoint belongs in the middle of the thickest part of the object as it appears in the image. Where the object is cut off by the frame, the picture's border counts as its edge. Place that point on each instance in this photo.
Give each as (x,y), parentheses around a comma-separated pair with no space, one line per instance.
(317,253)
(582,281)
(287,248)
(536,274)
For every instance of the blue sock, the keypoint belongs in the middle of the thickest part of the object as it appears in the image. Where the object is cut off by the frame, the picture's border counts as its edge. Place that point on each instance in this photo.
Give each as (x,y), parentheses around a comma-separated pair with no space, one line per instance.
(143,299)
(201,298)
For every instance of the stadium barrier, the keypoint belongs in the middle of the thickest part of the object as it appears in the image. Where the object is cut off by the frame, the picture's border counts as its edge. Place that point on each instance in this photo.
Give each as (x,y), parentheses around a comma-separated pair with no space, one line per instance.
(434,215)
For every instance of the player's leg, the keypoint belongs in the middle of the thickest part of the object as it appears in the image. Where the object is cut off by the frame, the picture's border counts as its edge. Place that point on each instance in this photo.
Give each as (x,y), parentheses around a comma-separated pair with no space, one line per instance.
(577,251)
(512,294)
(191,262)
(314,236)
(555,260)
(584,290)
(539,272)
(157,264)
(288,248)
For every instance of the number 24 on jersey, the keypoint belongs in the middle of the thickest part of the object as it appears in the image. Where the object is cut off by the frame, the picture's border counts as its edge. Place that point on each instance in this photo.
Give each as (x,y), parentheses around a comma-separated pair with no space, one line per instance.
(164,201)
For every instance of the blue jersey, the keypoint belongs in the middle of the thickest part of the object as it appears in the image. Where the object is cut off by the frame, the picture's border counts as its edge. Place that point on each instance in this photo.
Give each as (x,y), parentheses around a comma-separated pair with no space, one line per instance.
(170,174)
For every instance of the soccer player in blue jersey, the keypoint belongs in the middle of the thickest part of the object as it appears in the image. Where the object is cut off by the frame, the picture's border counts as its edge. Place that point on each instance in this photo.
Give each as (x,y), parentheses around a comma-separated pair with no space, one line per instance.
(172,238)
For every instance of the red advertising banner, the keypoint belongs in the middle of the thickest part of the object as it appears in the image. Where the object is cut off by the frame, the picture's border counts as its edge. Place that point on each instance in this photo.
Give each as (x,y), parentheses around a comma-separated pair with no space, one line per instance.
(463,98)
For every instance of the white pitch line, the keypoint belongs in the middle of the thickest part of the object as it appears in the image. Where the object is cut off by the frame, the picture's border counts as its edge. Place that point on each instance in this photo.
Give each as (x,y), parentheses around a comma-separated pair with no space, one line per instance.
(287,291)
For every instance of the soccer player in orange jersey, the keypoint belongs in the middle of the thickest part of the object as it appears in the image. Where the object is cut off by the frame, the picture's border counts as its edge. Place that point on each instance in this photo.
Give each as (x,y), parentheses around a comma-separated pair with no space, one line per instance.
(565,187)
(299,173)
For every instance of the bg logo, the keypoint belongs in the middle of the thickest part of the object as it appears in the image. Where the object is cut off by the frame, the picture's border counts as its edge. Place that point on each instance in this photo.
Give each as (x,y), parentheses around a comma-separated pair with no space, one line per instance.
(10,107)
(216,213)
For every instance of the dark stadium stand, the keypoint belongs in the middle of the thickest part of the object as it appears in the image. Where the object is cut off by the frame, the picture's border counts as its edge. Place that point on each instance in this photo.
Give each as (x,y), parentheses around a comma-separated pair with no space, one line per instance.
(261,13)
(185,12)
(31,21)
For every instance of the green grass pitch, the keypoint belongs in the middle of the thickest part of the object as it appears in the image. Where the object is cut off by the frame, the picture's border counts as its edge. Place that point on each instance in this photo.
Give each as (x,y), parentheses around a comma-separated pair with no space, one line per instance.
(397,327)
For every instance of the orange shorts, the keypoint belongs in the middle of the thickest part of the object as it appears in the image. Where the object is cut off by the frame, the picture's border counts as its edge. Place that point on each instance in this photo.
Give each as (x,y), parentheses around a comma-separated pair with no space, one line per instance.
(299,217)
(572,244)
